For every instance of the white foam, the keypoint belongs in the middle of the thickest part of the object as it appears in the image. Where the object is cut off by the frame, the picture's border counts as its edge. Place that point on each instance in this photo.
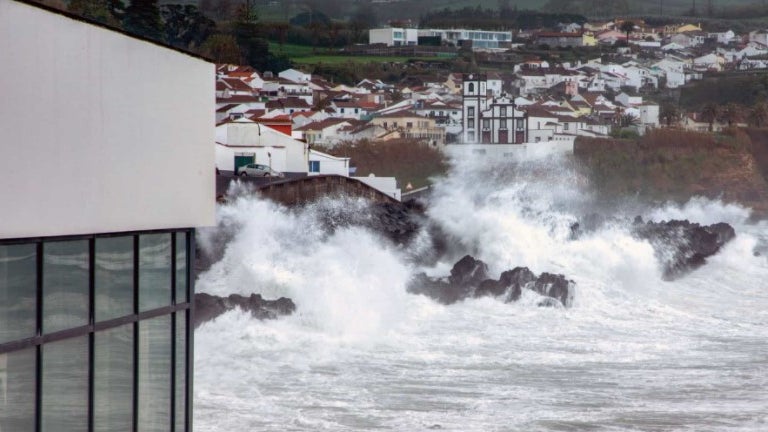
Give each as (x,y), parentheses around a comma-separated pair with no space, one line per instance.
(634,352)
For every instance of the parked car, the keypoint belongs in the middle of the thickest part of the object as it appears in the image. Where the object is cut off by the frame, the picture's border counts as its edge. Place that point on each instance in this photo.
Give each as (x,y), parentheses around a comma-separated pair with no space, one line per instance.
(258,170)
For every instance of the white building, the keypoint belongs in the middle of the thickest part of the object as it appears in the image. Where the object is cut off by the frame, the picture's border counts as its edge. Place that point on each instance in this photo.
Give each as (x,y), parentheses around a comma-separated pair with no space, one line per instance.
(243,142)
(100,205)
(480,39)
(322,163)
(488,119)
(296,76)
(393,36)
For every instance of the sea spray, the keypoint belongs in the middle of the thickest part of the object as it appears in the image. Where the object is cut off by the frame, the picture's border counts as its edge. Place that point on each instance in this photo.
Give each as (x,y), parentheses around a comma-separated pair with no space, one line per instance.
(633,353)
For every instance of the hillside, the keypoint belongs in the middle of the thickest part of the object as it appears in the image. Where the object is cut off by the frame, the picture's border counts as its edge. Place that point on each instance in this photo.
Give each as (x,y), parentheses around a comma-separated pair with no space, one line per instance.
(677,165)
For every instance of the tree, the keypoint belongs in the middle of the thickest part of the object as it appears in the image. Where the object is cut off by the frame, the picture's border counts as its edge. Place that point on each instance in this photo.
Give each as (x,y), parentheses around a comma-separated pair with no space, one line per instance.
(627,27)
(709,113)
(184,25)
(310,18)
(142,18)
(732,113)
(627,120)
(221,48)
(758,116)
(669,113)
(363,19)
(104,11)
(246,13)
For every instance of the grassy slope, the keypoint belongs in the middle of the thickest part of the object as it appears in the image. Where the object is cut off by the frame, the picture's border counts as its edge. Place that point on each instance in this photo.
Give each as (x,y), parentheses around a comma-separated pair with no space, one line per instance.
(408,161)
(676,165)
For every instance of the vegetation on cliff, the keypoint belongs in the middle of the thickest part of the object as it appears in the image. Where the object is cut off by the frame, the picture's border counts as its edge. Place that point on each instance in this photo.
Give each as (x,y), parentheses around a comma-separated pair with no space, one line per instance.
(677,165)
(410,161)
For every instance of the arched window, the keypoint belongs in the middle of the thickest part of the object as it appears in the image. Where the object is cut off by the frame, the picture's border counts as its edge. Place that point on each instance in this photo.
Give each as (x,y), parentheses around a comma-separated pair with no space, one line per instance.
(471,87)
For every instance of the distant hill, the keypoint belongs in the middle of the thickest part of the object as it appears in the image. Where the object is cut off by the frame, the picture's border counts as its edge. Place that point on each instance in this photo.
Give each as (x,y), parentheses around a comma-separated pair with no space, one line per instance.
(413,9)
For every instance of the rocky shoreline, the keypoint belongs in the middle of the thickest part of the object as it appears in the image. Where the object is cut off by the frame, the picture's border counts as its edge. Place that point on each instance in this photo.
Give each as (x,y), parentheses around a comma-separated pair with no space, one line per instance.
(681,247)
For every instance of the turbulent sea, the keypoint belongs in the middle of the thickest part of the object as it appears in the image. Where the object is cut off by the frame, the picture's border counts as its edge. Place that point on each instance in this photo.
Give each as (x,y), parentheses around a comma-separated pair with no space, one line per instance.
(633,353)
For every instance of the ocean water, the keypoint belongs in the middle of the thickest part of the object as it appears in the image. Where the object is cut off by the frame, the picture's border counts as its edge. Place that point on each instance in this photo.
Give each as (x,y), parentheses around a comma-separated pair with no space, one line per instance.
(633,353)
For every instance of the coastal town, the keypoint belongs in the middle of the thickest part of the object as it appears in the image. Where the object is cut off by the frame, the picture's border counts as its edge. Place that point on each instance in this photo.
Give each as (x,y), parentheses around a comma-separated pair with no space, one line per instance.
(536,105)
(350,226)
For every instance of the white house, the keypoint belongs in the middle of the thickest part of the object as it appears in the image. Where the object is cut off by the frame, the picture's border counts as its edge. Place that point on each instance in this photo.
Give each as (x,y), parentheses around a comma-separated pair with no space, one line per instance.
(323,163)
(296,76)
(627,100)
(244,141)
(649,114)
(723,37)
(709,62)
(672,70)
(393,36)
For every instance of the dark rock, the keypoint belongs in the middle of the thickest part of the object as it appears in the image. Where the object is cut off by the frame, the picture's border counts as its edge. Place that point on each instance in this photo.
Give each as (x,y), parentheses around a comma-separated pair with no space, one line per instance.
(468,271)
(511,282)
(208,307)
(469,277)
(438,289)
(683,246)
(549,302)
(555,286)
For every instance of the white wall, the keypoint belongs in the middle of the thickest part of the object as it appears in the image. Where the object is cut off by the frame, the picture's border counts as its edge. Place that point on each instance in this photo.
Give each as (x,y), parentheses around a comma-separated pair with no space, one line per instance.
(127,144)
(248,134)
(560,145)
(387,185)
(329,164)
(274,157)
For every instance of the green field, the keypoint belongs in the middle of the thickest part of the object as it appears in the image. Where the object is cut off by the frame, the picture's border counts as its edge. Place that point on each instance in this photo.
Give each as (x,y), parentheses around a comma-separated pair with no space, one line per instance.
(337,59)
(291,50)
(302,54)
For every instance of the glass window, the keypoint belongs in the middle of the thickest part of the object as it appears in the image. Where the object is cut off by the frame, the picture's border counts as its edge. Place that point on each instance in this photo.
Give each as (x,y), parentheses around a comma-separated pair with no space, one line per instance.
(65,285)
(154,271)
(181,370)
(114,277)
(503,111)
(65,385)
(18,292)
(155,374)
(17,391)
(113,379)
(486,123)
(470,111)
(503,124)
(181,267)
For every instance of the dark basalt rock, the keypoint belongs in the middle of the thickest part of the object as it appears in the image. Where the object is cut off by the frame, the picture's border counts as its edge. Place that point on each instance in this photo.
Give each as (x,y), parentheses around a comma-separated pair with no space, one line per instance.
(468,271)
(511,282)
(469,278)
(683,246)
(555,286)
(208,307)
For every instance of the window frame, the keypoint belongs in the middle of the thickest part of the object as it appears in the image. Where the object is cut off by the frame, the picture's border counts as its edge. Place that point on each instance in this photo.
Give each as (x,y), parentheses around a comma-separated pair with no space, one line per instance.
(180,313)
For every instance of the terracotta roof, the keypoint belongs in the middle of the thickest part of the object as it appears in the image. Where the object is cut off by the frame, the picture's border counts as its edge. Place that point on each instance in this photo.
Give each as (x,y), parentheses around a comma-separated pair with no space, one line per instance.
(401,113)
(236,84)
(226,107)
(322,124)
(238,99)
(289,102)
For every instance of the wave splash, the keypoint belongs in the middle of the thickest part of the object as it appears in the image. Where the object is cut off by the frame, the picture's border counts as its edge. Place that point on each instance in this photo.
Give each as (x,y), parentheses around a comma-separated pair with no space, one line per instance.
(362,353)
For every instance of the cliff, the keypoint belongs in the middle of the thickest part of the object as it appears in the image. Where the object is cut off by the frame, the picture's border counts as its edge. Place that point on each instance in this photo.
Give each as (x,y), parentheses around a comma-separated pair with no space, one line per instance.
(677,165)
